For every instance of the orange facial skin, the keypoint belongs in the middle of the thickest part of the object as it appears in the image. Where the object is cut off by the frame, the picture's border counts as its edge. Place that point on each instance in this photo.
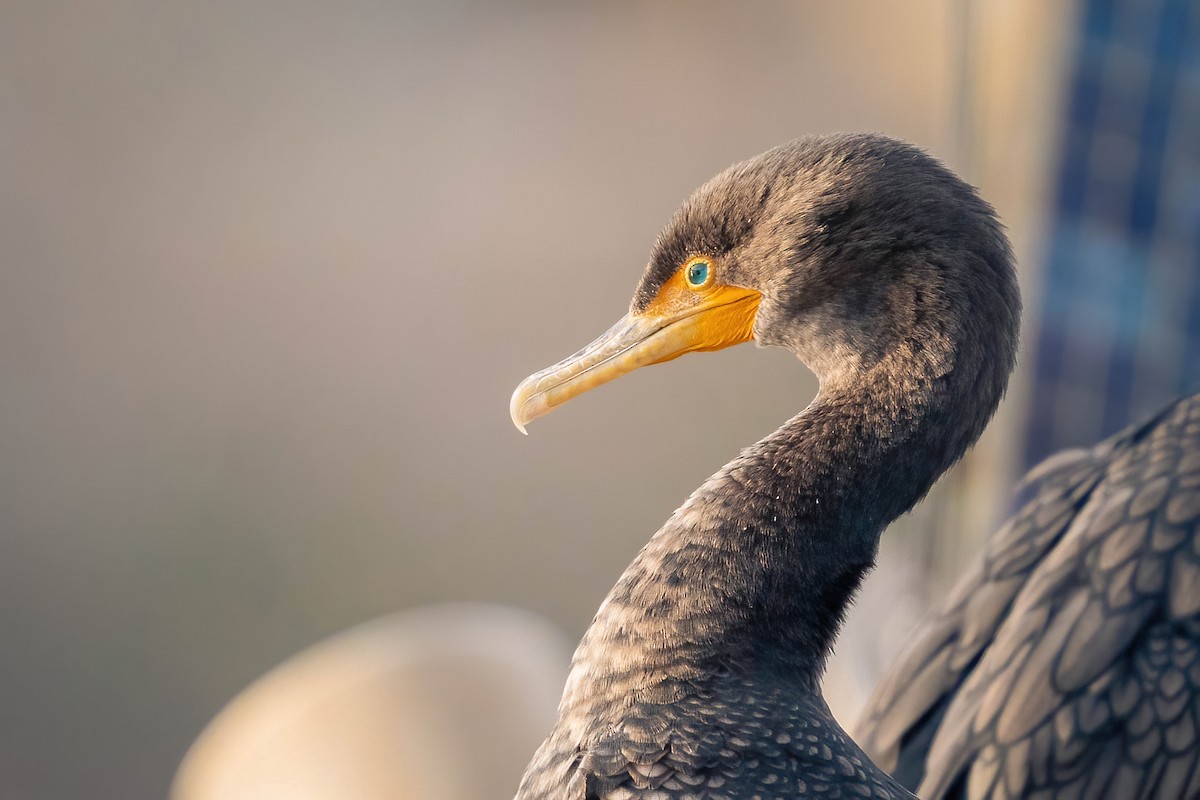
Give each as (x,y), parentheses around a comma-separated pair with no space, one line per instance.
(719,315)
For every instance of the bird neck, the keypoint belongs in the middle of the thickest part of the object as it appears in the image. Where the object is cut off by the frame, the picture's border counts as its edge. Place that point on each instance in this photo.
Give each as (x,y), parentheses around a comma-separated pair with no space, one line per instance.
(755,571)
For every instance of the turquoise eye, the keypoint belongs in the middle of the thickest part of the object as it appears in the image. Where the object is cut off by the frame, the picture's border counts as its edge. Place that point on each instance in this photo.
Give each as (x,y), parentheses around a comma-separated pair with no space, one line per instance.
(697,273)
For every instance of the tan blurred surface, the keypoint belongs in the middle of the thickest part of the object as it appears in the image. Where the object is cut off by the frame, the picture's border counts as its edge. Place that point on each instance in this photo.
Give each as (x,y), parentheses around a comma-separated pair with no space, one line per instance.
(445,702)
(268,274)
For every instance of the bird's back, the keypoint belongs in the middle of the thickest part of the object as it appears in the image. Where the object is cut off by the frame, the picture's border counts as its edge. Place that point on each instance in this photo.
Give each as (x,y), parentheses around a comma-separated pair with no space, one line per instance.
(1067,663)
(739,737)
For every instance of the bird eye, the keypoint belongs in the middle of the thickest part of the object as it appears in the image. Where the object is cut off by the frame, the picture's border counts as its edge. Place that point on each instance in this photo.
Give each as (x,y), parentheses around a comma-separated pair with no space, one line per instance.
(697,273)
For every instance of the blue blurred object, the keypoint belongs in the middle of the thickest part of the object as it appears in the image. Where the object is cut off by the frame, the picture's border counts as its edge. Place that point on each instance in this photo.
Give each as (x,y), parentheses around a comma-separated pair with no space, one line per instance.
(1118,328)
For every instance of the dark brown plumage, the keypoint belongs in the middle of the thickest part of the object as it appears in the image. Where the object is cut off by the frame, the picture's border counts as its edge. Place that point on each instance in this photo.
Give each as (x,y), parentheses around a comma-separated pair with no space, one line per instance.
(1067,663)
(892,281)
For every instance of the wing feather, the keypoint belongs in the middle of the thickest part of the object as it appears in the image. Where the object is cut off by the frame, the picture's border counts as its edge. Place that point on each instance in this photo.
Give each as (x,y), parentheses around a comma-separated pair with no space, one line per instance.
(1067,665)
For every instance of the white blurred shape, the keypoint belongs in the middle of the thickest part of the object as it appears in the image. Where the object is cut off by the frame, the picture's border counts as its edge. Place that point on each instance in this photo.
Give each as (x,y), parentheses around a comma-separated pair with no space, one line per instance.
(448,701)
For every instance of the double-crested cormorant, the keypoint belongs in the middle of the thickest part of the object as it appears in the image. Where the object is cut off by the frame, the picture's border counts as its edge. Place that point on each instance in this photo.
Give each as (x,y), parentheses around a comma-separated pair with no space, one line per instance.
(1067,663)
(892,281)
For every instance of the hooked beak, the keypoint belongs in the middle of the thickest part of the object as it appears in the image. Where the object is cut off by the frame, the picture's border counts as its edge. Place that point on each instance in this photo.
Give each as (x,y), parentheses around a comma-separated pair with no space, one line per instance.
(724,317)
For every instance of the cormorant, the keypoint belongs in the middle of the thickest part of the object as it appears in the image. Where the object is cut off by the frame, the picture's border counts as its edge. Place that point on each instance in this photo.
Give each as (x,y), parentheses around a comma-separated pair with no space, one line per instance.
(892,281)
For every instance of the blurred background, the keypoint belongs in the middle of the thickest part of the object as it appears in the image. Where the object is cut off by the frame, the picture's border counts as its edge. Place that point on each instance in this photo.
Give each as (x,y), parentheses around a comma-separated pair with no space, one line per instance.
(269,272)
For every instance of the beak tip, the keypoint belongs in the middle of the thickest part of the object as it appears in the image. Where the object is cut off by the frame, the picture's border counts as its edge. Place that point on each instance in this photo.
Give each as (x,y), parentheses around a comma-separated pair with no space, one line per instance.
(514,408)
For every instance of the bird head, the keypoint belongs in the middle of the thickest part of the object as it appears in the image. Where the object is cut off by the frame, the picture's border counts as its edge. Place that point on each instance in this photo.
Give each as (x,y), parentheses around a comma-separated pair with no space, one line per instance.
(859,253)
